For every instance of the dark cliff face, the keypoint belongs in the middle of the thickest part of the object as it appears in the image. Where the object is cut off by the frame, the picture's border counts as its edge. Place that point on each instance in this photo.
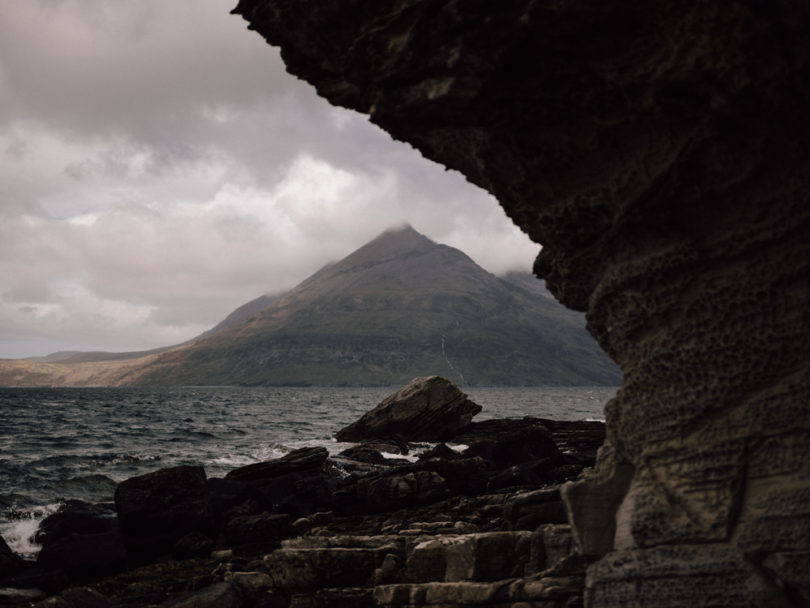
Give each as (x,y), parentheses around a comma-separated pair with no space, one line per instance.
(660,153)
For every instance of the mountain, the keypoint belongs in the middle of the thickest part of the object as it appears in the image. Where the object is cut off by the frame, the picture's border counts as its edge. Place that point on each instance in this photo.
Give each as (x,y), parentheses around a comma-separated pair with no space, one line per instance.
(399,307)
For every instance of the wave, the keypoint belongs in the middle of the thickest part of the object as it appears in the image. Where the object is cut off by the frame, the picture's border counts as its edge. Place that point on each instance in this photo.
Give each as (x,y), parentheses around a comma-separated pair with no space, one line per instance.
(19,532)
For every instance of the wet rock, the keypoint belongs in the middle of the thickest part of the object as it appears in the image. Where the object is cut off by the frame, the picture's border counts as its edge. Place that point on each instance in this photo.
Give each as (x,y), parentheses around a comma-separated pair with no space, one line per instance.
(157,509)
(393,444)
(10,562)
(427,409)
(440,450)
(363,453)
(302,461)
(76,517)
(85,556)
(298,483)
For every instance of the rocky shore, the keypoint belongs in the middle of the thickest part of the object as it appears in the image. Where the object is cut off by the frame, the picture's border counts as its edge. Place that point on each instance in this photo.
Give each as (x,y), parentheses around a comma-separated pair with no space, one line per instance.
(480,523)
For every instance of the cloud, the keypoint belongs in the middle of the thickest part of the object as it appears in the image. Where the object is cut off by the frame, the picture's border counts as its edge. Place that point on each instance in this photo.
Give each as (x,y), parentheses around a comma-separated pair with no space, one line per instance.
(159,168)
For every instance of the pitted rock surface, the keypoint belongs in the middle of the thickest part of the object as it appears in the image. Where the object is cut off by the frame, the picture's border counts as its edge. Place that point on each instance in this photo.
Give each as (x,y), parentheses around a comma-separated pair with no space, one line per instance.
(659,152)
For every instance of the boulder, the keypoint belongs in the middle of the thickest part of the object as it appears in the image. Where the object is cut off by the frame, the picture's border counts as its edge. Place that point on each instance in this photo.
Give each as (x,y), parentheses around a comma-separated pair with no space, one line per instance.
(427,409)
(76,517)
(297,484)
(85,556)
(155,510)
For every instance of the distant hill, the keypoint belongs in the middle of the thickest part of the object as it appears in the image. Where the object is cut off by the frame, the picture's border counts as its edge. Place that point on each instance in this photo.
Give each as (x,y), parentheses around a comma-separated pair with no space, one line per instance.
(399,307)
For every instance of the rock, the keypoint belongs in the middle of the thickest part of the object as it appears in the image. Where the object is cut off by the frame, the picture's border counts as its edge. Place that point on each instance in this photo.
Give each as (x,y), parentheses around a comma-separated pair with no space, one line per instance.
(528,510)
(489,556)
(10,562)
(193,544)
(82,540)
(230,498)
(392,444)
(531,474)
(76,517)
(661,156)
(298,483)
(578,440)
(440,450)
(384,493)
(471,557)
(427,409)
(363,453)
(262,528)
(85,556)
(730,579)
(467,476)
(505,443)
(11,596)
(50,581)
(78,597)
(302,461)
(416,484)
(601,491)
(323,567)
(155,510)
(551,544)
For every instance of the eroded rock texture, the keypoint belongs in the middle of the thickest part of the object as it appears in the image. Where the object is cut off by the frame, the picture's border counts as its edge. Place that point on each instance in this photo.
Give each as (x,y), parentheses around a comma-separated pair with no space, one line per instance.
(659,152)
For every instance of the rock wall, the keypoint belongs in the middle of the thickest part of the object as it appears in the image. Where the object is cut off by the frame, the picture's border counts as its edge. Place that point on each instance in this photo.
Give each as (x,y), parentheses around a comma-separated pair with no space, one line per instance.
(659,152)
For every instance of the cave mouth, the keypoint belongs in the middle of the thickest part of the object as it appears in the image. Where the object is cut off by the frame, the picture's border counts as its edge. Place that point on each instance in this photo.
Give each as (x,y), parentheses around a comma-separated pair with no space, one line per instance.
(659,153)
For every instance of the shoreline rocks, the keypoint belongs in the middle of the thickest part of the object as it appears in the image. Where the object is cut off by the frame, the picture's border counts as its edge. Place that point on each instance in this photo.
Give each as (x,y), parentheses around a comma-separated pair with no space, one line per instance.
(313,530)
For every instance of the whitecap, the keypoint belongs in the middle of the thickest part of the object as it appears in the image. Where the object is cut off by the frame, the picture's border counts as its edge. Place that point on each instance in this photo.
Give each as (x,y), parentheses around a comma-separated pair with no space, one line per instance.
(19,532)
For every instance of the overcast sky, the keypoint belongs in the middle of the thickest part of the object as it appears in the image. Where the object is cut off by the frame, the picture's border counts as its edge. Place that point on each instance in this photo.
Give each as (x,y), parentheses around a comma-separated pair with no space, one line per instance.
(159,168)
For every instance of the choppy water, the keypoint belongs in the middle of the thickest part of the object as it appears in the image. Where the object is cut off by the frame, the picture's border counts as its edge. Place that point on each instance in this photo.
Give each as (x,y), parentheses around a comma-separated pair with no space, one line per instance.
(58,444)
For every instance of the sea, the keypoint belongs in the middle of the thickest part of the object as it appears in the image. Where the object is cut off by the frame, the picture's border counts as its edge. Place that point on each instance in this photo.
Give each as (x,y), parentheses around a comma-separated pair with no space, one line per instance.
(58,444)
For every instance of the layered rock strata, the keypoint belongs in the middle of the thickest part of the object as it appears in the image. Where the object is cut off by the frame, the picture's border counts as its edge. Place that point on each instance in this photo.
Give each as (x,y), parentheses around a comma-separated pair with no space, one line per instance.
(659,152)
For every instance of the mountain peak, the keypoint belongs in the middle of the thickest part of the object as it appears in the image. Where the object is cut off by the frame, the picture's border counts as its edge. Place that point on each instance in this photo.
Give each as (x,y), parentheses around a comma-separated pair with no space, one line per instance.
(392,243)
(400,237)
